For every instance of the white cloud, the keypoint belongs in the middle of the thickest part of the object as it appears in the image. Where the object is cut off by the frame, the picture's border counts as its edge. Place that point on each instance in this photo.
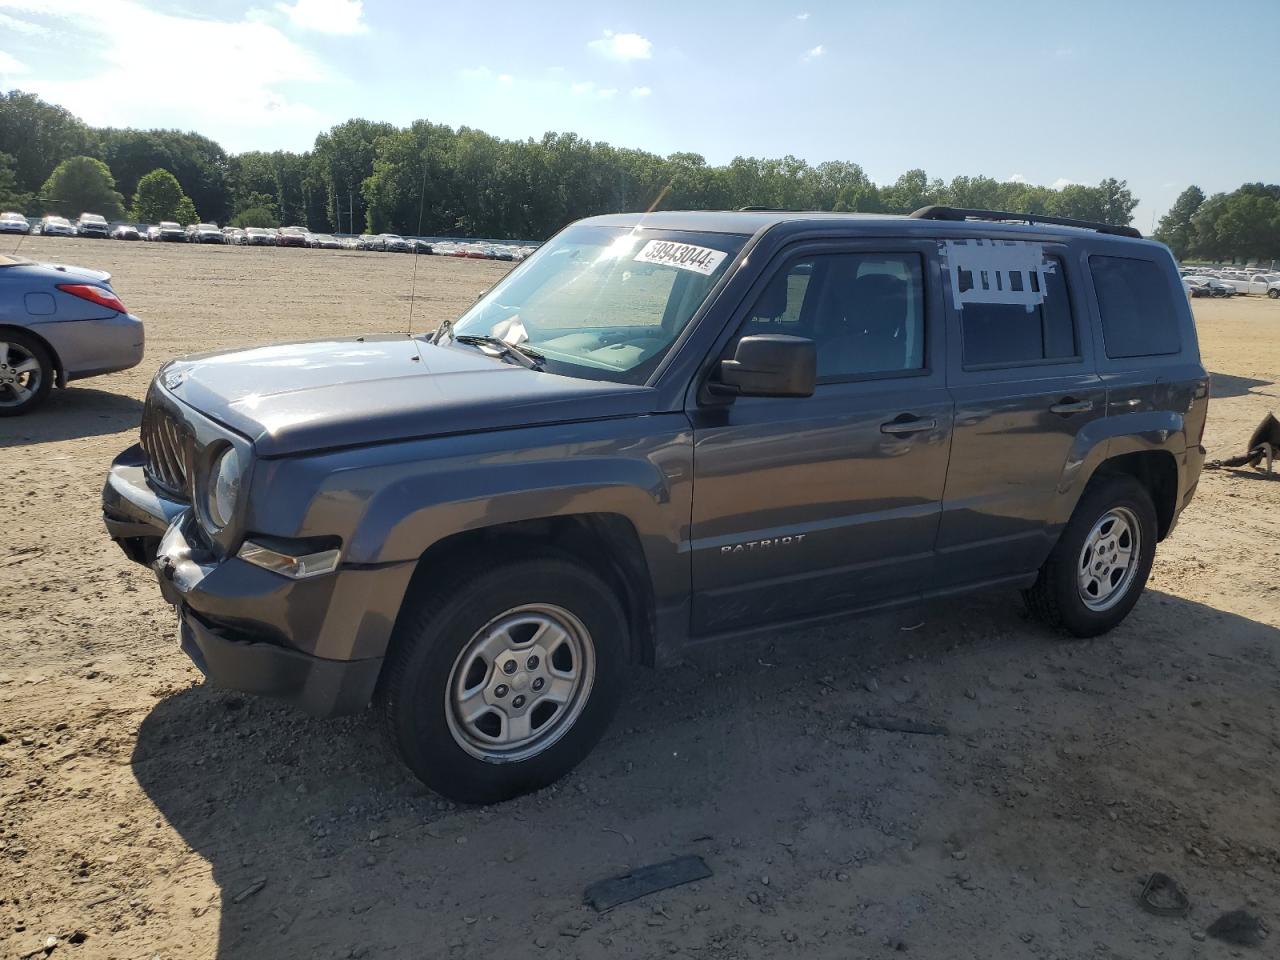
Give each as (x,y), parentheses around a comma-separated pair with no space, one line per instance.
(9,64)
(506,79)
(802,16)
(326,16)
(256,64)
(1063,182)
(815,53)
(639,93)
(24,27)
(588,88)
(622,46)
(1015,178)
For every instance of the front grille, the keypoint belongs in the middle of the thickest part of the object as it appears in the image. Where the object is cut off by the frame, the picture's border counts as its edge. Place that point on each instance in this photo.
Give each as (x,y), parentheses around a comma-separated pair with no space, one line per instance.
(168,446)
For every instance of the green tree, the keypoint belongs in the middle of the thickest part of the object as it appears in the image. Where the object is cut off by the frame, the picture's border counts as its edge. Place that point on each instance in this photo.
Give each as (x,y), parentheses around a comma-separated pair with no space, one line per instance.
(39,136)
(1175,227)
(185,212)
(11,198)
(83,185)
(261,216)
(157,197)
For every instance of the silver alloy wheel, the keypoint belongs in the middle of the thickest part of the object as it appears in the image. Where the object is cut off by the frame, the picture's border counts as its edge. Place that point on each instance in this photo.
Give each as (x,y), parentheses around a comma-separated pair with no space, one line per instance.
(520,683)
(20,374)
(1109,559)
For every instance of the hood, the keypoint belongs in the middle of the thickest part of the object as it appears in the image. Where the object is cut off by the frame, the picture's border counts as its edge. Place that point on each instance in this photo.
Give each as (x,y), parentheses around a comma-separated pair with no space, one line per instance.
(296,397)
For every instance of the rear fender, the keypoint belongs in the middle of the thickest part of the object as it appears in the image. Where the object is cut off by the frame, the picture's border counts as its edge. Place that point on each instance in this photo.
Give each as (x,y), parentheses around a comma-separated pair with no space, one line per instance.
(1108,437)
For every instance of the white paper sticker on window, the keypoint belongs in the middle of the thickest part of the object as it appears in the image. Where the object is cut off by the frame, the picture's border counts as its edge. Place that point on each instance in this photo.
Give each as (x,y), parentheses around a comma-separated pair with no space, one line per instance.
(996,271)
(684,256)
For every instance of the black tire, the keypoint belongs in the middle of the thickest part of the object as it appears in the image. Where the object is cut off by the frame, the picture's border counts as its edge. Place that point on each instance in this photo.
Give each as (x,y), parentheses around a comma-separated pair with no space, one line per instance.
(1056,597)
(431,635)
(1274,293)
(37,351)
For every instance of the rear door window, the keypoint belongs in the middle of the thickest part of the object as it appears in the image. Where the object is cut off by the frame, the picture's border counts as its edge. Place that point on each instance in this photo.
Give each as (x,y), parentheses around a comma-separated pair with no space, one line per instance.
(1136,307)
(1008,334)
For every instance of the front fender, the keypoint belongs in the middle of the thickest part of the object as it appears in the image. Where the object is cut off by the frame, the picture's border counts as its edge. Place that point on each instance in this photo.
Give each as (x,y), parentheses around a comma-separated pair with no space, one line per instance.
(1113,436)
(391,502)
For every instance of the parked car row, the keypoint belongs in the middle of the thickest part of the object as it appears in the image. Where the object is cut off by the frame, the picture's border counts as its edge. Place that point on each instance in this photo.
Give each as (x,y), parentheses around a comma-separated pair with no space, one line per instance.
(167,231)
(1229,281)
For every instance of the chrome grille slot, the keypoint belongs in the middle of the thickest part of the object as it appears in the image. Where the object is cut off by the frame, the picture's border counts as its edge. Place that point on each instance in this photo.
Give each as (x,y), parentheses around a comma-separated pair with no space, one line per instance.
(168,446)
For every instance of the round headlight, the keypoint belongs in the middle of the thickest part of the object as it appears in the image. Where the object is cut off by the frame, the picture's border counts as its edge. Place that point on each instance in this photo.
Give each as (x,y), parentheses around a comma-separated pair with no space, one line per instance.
(224,487)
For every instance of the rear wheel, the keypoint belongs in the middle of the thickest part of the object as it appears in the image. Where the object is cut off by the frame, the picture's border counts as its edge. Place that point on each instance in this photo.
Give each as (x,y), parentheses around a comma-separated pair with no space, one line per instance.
(26,373)
(1097,570)
(502,679)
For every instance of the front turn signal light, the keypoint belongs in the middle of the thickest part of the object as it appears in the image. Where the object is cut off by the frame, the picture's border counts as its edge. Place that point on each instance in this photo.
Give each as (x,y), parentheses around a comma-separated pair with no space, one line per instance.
(295,566)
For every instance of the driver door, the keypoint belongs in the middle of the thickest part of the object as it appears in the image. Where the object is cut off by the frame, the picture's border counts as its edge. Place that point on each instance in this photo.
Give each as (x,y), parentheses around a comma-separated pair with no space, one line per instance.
(815,505)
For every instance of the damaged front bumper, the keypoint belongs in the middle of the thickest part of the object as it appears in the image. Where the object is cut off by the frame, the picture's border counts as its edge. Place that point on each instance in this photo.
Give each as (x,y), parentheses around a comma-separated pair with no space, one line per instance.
(317,643)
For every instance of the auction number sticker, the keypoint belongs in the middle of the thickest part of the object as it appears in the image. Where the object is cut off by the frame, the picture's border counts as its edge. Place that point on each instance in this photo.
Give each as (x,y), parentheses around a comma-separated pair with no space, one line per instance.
(685,256)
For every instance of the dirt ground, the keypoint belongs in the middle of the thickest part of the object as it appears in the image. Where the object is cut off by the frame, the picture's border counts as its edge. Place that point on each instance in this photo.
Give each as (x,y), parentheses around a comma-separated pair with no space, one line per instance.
(146,816)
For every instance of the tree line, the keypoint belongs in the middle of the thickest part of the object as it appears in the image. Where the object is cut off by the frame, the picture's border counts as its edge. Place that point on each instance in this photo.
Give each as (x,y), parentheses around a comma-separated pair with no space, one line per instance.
(1241,225)
(432,179)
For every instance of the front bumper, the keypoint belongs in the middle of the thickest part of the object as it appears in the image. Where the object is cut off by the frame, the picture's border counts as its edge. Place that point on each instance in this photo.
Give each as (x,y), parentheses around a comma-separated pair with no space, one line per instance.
(317,643)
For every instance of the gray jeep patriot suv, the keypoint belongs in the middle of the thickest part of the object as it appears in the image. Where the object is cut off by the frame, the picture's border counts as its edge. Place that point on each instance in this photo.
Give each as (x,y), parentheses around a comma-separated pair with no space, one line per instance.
(660,430)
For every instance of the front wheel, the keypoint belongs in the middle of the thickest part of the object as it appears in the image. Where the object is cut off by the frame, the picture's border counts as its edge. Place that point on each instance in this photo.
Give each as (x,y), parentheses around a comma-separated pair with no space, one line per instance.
(1274,293)
(1098,568)
(501,680)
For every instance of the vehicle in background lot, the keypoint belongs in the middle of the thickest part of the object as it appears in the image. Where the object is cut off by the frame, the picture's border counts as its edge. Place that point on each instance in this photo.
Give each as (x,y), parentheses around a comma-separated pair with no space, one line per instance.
(349,243)
(485,530)
(92,225)
(367,241)
(11,222)
(1197,286)
(394,243)
(205,233)
(57,324)
(1253,284)
(233,235)
(292,237)
(55,226)
(323,241)
(168,232)
(421,247)
(258,237)
(125,231)
(1220,288)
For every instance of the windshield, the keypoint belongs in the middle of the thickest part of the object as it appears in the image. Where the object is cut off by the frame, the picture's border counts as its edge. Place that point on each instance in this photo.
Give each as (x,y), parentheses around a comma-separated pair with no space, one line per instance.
(604,303)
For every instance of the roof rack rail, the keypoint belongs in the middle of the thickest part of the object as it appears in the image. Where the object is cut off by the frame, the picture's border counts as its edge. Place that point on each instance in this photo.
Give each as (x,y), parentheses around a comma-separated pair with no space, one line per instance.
(960,213)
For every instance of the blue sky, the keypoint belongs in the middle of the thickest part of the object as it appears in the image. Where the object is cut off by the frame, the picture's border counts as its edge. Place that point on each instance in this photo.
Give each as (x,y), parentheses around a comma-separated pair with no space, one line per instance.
(1161,94)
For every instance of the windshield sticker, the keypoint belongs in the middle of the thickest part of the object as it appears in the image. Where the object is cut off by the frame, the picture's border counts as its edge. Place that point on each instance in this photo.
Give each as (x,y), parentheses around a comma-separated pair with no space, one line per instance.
(996,271)
(684,256)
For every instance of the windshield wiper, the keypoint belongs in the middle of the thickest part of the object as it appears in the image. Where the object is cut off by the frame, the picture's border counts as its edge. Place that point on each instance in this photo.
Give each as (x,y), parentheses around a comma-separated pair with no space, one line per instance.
(517,352)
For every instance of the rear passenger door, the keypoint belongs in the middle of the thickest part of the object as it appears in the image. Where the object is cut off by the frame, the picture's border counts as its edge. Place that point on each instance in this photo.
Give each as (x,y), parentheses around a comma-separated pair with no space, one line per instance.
(804,506)
(1021,370)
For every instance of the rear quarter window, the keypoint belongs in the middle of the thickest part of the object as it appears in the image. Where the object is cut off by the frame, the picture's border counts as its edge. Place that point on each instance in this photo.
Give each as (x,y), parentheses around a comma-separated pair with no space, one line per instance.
(1135,304)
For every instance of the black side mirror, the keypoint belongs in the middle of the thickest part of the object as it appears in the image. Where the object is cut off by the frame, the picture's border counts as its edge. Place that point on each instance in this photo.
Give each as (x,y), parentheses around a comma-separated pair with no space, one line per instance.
(770,365)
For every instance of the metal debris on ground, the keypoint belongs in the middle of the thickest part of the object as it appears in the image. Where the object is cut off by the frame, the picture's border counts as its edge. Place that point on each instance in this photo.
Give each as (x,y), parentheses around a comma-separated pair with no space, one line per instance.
(607,894)
(1162,896)
(894,725)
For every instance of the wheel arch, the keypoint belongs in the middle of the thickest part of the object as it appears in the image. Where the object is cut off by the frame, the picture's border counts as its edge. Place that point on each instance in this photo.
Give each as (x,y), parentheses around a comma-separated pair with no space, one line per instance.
(1157,471)
(59,371)
(605,543)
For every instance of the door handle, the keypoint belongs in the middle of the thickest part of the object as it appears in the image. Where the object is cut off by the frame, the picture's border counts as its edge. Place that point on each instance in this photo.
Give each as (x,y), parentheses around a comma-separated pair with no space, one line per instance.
(1069,406)
(908,426)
